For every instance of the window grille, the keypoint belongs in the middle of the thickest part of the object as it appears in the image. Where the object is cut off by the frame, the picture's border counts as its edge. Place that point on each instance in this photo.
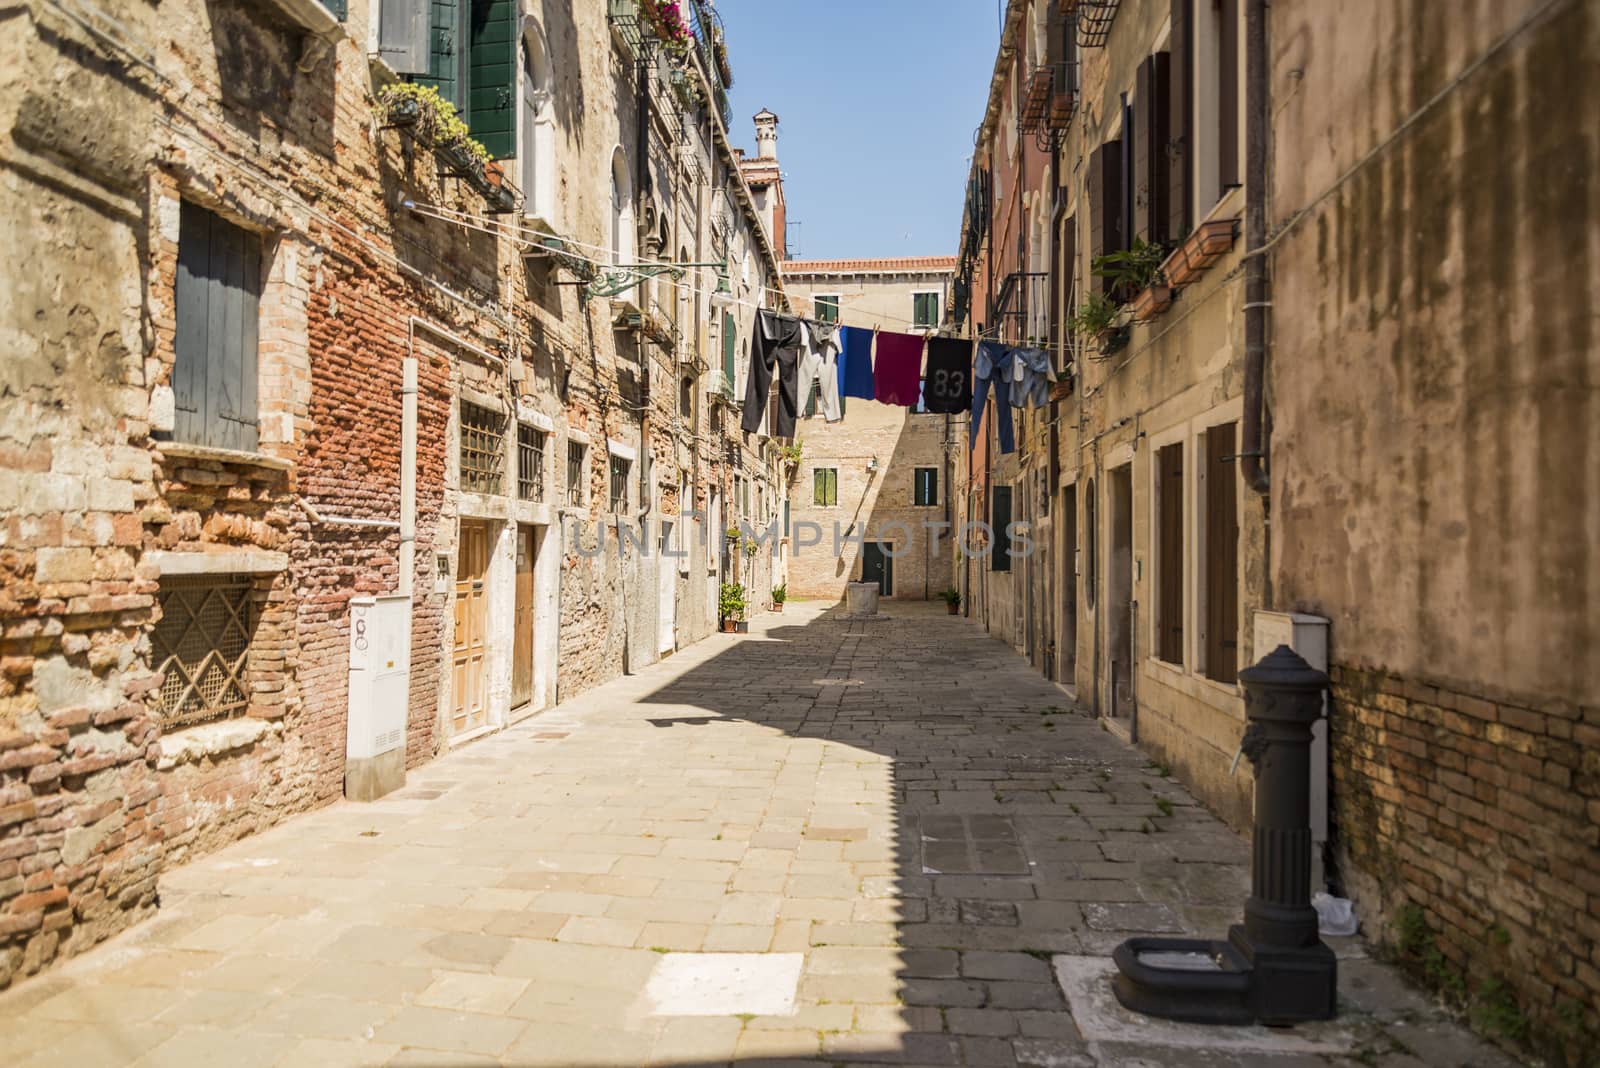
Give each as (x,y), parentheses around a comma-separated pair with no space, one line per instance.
(574,473)
(202,646)
(619,483)
(530,463)
(482,431)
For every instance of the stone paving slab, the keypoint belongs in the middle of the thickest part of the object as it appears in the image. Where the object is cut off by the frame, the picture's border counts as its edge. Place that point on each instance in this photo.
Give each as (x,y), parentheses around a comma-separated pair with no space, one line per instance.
(903,818)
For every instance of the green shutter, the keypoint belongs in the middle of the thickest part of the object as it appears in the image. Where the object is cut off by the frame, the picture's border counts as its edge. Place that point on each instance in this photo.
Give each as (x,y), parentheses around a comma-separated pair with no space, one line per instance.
(730,344)
(442,35)
(491,79)
(337,8)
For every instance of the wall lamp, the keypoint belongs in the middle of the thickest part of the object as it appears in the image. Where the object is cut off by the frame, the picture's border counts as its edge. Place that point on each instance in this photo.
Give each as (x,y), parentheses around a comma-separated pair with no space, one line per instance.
(623,278)
(872,465)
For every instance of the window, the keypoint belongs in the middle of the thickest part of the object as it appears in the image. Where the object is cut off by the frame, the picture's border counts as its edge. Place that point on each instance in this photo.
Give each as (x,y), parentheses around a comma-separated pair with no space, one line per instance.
(482,432)
(925,486)
(686,403)
(1000,519)
(813,398)
(537,145)
(530,463)
(1104,187)
(1222,556)
(1091,542)
(825,486)
(622,235)
(576,476)
(202,646)
(217,296)
(825,306)
(460,44)
(925,310)
(621,466)
(1169,553)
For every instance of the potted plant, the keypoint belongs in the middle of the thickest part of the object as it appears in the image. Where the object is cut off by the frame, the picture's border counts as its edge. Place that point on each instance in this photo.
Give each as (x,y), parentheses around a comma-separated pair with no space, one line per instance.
(666,21)
(1197,251)
(731,605)
(1135,274)
(1096,319)
(780,594)
(734,535)
(751,547)
(952,600)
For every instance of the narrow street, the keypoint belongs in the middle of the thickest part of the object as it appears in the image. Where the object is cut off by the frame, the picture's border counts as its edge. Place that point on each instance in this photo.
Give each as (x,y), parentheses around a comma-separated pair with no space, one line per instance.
(906,835)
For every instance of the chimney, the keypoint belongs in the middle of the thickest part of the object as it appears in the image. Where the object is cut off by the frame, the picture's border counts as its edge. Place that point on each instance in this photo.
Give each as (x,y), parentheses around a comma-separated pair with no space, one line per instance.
(766,134)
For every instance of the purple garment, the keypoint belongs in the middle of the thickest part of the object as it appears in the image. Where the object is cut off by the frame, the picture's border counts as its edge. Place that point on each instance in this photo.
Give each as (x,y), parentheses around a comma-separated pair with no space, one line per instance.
(855,363)
(897,372)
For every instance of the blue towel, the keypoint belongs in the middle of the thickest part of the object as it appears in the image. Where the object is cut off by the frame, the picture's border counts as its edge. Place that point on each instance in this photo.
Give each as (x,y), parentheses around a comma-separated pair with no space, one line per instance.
(986,366)
(855,363)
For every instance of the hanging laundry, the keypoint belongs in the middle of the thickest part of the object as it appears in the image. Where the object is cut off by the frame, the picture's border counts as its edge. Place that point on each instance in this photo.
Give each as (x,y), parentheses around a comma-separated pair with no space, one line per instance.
(989,366)
(897,371)
(819,363)
(774,343)
(1030,378)
(855,363)
(947,386)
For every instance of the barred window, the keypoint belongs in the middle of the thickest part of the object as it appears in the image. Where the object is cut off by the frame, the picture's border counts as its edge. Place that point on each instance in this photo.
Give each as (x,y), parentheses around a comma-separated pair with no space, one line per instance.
(482,432)
(575,476)
(202,647)
(620,466)
(530,463)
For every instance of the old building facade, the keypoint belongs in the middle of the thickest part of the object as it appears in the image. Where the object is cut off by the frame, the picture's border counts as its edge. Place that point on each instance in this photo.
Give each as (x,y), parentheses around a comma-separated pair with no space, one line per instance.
(293,389)
(1330,419)
(868,486)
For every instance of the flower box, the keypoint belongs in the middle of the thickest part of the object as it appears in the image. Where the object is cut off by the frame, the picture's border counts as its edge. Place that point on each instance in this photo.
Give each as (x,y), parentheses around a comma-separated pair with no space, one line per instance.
(1151,302)
(1061,388)
(1209,241)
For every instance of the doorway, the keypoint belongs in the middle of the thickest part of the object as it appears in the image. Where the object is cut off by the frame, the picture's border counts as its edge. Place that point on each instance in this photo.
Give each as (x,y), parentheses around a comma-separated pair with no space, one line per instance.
(1119,591)
(1067,516)
(522,625)
(666,592)
(878,566)
(470,652)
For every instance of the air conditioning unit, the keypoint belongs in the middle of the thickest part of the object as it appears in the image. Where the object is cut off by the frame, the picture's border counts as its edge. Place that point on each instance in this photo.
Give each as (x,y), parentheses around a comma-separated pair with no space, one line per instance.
(380,676)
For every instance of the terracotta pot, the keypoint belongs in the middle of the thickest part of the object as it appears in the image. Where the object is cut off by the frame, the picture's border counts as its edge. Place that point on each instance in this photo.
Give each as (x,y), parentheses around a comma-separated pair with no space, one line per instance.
(952,607)
(494,174)
(1151,302)
(730,626)
(777,606)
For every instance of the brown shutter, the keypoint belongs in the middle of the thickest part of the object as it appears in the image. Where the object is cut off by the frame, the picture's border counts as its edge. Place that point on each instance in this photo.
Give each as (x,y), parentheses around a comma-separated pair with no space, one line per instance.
(1180,170)
(1170,464)
(1228,96)
(1141,150)
(1158,125)
(1222,556)
(1105,205)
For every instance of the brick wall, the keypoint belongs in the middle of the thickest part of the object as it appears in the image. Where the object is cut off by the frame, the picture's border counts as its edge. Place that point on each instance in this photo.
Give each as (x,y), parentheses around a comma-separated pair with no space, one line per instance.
(1468,831)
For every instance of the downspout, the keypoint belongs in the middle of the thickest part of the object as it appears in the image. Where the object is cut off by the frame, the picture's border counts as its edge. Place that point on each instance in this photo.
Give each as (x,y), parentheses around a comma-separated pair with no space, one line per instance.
(408,469)
(1252,449)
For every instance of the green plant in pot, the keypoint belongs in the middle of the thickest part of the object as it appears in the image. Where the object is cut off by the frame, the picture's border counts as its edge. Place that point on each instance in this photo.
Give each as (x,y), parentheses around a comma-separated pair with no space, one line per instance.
(1130,270)
(952,599)
(731,605)
(780,594)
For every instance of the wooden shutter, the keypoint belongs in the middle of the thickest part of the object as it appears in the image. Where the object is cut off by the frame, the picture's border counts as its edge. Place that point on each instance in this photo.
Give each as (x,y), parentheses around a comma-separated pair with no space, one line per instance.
(1105,205)
(1151,133)
(1222,556)
(1180,169)
(443,70)
(491,80)
(730,346)
(217,303)
(1169,461)
(1228,96)
(1000,519)
(403,35)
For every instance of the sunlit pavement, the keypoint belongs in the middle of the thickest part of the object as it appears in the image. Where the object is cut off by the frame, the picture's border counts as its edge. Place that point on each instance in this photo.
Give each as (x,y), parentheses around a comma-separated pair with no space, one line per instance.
(821,843)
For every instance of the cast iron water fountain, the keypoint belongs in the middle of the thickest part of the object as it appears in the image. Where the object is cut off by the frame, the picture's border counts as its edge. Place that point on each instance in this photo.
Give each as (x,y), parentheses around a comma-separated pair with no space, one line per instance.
(1272,968)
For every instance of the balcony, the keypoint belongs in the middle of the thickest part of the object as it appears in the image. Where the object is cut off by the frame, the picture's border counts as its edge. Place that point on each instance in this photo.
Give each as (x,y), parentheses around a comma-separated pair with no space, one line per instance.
(1094,21)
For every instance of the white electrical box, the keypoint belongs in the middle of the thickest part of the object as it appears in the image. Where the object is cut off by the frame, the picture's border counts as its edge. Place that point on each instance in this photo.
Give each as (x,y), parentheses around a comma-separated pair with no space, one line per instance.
(1308,636)
(380,674)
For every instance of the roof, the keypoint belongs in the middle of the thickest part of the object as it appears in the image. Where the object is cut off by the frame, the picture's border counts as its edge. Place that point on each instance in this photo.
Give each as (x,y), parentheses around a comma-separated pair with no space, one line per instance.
(889,265)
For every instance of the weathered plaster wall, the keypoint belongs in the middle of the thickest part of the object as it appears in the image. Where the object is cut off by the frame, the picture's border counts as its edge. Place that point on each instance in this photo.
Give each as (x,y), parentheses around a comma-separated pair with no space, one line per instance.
(1436,488)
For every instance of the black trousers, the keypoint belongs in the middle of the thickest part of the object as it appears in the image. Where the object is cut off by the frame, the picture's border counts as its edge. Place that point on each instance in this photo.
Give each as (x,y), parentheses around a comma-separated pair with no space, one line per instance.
(776,343)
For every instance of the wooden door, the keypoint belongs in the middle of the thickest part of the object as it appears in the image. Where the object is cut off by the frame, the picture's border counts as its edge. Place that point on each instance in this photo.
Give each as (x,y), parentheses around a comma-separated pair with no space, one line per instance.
(472,619)
(877,566)
(522,633)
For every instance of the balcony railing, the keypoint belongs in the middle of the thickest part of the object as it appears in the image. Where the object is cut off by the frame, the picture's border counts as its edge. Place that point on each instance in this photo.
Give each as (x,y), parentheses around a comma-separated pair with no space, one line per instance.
(1094,21)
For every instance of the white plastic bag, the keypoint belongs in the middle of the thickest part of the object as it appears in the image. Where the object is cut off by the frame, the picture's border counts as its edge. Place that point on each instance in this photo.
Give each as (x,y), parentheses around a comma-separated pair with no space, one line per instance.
(1335,915)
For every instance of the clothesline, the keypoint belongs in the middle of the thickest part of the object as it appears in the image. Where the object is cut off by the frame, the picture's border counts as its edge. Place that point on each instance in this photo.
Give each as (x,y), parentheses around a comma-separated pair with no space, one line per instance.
(500,229)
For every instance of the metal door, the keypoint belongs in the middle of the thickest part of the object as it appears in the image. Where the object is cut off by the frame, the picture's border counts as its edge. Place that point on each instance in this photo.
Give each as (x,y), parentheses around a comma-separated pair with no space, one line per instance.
(877,566)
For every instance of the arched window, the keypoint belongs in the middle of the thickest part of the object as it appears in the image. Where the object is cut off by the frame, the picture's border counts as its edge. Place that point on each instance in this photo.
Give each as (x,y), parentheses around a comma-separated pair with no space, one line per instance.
(622,235)
(536,166)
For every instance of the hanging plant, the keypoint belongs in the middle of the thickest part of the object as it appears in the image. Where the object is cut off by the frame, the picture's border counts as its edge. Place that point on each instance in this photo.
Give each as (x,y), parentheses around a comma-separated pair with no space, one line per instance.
(434,120)
(671,28)
(1132,269)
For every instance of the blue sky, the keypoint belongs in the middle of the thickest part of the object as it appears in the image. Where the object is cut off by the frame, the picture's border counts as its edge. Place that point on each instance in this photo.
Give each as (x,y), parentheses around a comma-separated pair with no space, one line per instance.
(877,102)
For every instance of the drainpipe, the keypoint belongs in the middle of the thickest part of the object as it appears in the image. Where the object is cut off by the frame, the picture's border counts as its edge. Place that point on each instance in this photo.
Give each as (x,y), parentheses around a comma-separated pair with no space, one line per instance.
(1252,449)
(408,473)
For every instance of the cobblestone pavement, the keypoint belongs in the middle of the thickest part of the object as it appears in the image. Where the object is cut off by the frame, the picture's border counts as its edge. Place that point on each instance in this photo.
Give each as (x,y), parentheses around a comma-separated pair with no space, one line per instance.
(905,823)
